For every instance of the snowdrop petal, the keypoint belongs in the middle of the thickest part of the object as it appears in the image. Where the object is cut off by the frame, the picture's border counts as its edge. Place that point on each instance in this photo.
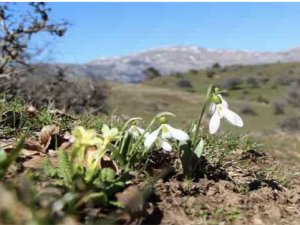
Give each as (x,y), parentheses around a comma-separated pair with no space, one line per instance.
(232,117)
(166,146)
(212,108)
(178,134)
(214,123)
(151,138)
(141,131)
(165,132)
(136,131)
(224,102)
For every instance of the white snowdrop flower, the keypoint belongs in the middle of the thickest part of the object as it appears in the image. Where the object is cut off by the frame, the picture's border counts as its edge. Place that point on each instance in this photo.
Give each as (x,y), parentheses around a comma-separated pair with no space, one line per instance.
(136,131)
(162,135)
(220,110)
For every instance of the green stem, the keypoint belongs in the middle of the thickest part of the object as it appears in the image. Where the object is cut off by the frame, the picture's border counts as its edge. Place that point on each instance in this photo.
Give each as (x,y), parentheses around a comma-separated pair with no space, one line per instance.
(126,125)
(199,122)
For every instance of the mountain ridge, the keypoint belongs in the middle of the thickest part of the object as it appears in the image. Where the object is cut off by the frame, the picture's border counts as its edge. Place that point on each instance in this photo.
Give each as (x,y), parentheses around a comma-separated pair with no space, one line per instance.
(169,60)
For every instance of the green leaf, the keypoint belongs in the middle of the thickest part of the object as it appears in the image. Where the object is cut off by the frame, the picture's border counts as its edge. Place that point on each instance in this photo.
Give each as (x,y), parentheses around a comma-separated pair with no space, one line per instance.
(3,156)
(188,159)
(125,146)
(117,204)
(199,149)
(116,154)
(209,90)
(7,160)
(49,170)
(107,175)
(99,197)
(65,168)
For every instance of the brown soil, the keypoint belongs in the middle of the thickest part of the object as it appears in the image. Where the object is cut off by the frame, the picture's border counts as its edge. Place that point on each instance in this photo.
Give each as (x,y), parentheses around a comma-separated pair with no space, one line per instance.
(250,189)
(244,197)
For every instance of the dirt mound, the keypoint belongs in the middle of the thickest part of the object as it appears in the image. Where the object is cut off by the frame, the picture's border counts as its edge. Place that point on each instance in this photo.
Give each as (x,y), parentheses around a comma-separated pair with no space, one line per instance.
(246,196)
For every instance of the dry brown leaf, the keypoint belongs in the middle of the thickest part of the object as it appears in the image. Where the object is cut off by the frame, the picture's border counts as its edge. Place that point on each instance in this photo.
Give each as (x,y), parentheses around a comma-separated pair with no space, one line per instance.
(46,133)
(33,146)
(65,145)
(34,162)
(30,110)
(50,138)
(26,152)
(7,144)
(37,161)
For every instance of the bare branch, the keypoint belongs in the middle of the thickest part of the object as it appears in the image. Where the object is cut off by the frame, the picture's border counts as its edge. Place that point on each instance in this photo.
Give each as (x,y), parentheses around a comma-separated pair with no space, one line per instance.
(15,36)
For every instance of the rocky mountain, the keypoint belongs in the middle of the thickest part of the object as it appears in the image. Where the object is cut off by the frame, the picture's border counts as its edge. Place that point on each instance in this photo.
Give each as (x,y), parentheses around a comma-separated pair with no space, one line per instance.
(170,60)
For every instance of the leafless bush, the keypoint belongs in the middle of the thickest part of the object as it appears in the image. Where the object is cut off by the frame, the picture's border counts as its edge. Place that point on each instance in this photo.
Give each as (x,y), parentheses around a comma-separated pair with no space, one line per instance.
(262,99)
(278,108)
(248,110)
(282,80)
(183,83)
(290,124)
(78,94)
(232,83)
(210,73)
(216,66)
(151,73)
(245,92)
(294,94)
(193,71)
(252,82)
(264,80)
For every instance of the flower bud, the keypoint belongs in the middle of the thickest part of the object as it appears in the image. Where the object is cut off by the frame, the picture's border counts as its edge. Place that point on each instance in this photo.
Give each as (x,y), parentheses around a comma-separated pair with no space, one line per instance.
(163,120)
(216,99)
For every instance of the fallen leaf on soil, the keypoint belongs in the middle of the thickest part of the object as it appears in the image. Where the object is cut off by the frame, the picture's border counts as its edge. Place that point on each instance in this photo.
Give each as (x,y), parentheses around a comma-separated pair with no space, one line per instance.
(51,139)
(25,152)
(37,161)
(33,146)
(46,133)
(34,162)
(30,110)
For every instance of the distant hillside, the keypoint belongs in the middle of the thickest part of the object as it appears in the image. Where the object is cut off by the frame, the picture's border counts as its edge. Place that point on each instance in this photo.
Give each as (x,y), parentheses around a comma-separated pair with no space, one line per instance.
(170,60)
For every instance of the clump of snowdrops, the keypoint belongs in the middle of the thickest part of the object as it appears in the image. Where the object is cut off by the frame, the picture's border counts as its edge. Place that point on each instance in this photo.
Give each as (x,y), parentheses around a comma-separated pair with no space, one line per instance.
(133,143)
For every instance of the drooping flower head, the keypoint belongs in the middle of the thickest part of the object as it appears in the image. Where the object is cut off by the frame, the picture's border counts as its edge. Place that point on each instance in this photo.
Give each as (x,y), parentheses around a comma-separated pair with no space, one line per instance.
(163,134)
(220,110)
(136,131)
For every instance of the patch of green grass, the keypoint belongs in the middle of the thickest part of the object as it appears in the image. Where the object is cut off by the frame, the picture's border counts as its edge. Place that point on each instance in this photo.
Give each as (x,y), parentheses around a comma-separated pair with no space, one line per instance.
(163,94)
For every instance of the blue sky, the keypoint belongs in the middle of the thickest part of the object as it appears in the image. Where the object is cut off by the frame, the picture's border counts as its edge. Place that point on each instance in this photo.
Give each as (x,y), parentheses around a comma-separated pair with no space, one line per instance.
(111,29)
